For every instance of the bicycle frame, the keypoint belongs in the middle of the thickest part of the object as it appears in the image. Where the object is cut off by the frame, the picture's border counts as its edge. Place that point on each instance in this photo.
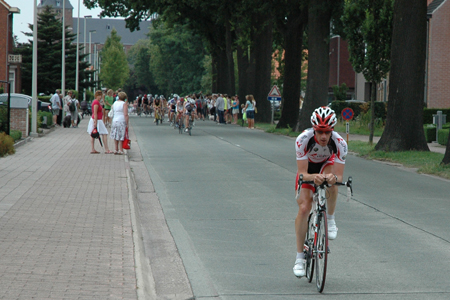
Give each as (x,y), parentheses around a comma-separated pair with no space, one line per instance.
(316,247)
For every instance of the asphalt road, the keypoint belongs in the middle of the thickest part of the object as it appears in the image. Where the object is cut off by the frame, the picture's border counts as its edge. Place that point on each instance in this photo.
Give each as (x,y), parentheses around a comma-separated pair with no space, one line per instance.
(228,198)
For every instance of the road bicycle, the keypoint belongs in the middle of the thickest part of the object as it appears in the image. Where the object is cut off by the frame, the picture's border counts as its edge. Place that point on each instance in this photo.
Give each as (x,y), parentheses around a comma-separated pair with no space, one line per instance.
(180,124)
(158,116)
(172,120)
(146,111)
(316,243)
(190,125)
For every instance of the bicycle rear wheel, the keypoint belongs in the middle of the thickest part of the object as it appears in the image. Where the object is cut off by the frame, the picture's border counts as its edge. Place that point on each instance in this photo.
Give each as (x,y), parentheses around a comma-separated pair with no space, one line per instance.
(321,255)
(309,252)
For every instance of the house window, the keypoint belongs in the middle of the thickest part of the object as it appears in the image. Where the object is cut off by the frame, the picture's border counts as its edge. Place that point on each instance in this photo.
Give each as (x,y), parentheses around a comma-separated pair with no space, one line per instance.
(58,3)
(12,77)
(108,27)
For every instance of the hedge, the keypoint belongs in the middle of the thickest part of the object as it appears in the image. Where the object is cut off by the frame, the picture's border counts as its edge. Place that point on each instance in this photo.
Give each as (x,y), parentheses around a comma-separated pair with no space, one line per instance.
(443,136)
(430,132)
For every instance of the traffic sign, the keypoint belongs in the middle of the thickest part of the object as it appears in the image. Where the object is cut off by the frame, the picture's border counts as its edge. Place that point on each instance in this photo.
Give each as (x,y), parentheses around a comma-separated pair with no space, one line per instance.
(347,113)
(274,92)
(271,98)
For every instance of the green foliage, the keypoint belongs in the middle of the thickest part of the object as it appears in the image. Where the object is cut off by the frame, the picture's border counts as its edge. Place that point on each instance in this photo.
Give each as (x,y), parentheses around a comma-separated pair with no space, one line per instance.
(206,83)
(16,134)
(443,136)
(430,132)
(114,65)
(6,145)
(139,58)
(180,72)
(3,117)
(368,30)
(41,115)
(340,92)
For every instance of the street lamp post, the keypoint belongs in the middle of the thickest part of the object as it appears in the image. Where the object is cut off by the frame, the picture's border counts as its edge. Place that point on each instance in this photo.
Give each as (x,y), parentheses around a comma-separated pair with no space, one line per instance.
(34,132)
(84,38)
(63,58)
(96,65)
(77,68)
(90,47)
(90,54)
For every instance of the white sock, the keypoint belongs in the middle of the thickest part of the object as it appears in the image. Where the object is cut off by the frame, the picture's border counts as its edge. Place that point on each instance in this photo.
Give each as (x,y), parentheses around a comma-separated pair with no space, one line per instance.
(300,255)
(330,217)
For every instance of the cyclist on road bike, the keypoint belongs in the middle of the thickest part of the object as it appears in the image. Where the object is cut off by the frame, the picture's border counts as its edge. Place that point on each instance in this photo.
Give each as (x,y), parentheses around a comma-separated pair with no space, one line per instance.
(321,154)
(171,104)
(179,109)
(157,105)
(189,111)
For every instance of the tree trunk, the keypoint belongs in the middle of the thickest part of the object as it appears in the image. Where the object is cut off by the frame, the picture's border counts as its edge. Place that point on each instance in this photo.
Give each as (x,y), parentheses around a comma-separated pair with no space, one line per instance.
(243,64)
(214,68)
(373,95)
(404,122)
(222,72)
(231,90)
(446,159)
(319,16)
(263,68)
(293,40)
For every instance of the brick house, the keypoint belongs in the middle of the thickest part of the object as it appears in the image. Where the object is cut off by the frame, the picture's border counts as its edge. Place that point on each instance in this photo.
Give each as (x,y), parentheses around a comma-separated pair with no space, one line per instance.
(437,89)
(438,55)
(9,63)
(341,70)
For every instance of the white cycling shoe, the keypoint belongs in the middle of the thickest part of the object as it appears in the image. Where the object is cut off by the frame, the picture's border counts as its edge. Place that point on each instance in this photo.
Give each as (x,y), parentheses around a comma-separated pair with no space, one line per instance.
(332,230)
(299,267)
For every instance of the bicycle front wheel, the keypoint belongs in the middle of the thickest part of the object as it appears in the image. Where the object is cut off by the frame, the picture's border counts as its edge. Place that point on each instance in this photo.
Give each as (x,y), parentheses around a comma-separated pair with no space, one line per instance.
(321,255)
(309,251)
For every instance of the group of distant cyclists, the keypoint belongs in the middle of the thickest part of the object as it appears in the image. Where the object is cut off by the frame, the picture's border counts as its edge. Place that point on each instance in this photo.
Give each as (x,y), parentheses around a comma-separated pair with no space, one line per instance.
(176,108)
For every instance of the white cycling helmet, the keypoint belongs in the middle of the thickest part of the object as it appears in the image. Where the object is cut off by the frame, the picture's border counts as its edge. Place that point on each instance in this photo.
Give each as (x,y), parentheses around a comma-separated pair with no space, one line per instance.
(323,118)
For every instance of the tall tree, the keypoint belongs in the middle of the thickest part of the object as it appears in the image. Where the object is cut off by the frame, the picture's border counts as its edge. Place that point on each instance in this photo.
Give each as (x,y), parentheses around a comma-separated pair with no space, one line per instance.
(319,17)
(207,19)
(114,66)
(139,59)
(367,25)
(404,122)
(180,72)
(291,27)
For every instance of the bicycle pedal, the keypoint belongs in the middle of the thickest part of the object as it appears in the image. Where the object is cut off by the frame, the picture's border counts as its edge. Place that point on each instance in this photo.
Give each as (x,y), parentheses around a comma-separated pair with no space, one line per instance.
(328,250)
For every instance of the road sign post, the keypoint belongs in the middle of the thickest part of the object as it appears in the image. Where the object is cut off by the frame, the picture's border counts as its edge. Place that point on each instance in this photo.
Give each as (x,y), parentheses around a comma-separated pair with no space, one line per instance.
(347,114)
(274,95)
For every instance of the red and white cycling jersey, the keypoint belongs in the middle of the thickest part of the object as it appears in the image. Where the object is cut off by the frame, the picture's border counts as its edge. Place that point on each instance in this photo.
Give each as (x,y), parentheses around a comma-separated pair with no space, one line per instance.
(307,147)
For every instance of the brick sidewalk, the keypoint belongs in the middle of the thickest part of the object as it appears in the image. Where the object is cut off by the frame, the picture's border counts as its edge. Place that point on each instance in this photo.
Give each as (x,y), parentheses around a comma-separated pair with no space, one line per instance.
(65,224)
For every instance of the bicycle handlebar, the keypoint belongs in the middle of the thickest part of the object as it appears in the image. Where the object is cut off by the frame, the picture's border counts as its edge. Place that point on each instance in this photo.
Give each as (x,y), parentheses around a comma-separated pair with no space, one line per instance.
(348,184)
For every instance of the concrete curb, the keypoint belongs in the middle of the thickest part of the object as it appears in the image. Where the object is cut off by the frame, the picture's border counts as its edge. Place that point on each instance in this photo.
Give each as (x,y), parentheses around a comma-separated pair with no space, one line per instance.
(145,283)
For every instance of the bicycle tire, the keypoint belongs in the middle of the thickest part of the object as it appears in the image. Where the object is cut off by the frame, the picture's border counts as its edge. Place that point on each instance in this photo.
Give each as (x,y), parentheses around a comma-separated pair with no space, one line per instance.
(180,127)
(321,255)
(309,252)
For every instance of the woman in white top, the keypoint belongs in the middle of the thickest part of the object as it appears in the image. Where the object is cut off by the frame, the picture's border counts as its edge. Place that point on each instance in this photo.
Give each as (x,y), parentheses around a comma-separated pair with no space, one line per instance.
(119,122)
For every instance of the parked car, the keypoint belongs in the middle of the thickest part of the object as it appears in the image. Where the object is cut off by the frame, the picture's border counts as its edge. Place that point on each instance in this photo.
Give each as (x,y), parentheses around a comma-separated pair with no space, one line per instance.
(43,106)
